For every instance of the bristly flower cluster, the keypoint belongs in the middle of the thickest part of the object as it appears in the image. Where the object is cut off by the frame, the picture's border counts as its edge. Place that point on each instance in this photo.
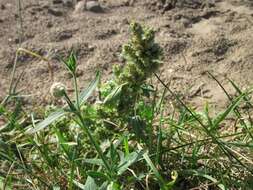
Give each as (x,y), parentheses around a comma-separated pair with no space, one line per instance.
(142,55)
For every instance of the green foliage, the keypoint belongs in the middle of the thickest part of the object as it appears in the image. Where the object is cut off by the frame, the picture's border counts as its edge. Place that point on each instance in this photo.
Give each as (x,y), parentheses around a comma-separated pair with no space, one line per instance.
(70,63)
(142,55)
(129,138)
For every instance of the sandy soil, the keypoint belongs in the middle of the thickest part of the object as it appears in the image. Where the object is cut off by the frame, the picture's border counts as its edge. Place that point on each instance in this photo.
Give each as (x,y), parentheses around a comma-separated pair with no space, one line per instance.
(197,36)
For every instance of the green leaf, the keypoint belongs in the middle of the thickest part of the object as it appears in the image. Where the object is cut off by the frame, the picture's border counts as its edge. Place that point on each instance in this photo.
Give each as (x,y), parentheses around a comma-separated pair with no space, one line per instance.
(104,186)
(155,171)
(139,128)
(46,122)
(233,105)
(94,161)
(97,175)
(89,185)
(113,186)
(163,184)
(127,161)
(85,94)
(114,95)
(246,99)
(202,174)
(63,143)
(56,188)
(2,110)
(113,155)
(207,115)
(126,145)
(2,183)
(70,63)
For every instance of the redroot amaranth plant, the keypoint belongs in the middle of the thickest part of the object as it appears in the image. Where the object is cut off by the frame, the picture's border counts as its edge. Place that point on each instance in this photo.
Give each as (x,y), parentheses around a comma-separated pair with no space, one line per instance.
(143,57)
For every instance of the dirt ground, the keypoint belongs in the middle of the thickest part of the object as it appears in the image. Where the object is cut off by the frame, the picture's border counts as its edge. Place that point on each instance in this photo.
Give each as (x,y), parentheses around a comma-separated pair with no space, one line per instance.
(197,36)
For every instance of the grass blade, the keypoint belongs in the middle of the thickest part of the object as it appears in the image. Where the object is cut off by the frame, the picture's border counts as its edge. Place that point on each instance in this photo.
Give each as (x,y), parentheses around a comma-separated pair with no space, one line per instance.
(201,174)
(153,168)
(233,105)
(240,92)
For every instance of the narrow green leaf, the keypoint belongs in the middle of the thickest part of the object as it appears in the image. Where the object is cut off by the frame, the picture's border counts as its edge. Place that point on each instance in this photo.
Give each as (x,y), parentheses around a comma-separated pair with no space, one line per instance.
(201,174)
(155,171)
(113,186)
(127,161)
(56,188)
(79,185)
(222,116)
(46,122)
(2,110)
(89,185)
(139,128)
(63,143)
(114,95)
(246,99)
(85,94)
(2,184)
(126,145)
(70,63)
(113,155)
(104,186)
(206,113)
(94,161)
(97,175)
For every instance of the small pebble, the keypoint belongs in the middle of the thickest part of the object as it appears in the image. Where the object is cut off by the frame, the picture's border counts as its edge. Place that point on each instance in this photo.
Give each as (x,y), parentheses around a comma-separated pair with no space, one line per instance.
(45,6)
(186,22)
(64,35)
(49,25)
(177,17)
(94,6)
(57,1)
(167,7)
(68,3)
(3,7)
(55,12)
(16,40)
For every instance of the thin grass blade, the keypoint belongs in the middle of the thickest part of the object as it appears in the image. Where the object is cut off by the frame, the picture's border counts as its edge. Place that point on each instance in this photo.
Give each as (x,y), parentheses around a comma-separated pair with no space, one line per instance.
(233,105)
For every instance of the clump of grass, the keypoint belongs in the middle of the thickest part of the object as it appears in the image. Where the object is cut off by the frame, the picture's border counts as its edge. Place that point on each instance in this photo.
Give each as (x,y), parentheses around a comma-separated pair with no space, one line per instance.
(125,140)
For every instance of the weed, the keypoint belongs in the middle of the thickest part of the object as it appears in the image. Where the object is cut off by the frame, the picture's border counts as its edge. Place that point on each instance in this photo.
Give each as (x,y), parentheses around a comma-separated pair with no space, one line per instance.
(129,138)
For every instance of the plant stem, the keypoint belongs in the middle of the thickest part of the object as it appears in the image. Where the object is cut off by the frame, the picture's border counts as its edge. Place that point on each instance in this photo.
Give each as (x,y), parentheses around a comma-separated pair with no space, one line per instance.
(76,92)
(86,129)
(94,142)
(13,74)
(20,36)
(21,31)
